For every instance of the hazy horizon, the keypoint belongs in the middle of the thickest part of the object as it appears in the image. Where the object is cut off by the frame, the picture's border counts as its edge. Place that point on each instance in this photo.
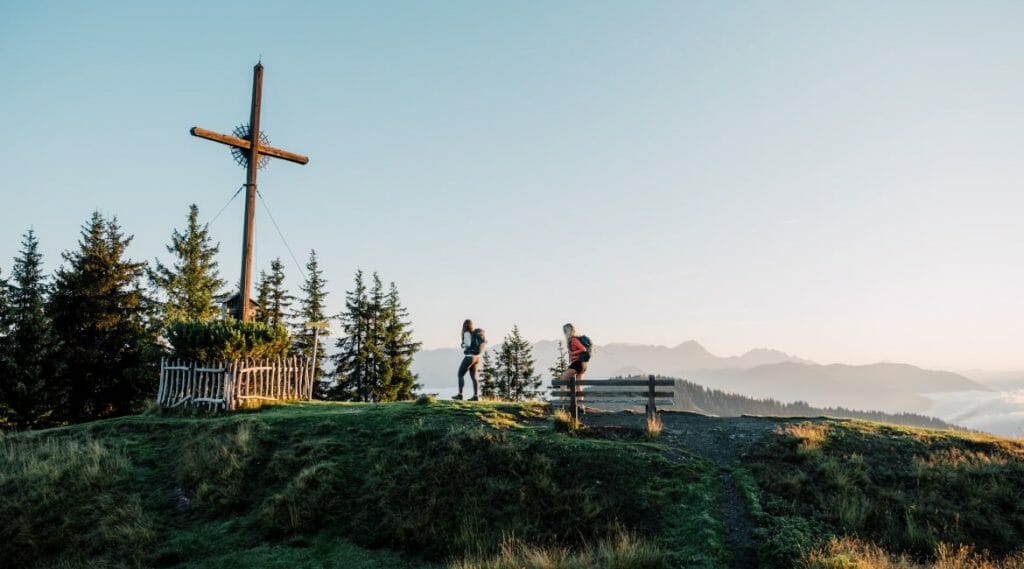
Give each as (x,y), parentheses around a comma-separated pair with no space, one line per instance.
(840,182)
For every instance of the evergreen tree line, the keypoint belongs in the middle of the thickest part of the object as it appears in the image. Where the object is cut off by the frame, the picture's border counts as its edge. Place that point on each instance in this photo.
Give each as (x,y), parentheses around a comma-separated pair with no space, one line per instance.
(84,343)
(690,396)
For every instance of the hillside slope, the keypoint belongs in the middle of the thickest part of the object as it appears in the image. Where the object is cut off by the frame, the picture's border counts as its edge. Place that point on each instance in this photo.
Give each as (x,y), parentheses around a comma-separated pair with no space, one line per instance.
(435,484)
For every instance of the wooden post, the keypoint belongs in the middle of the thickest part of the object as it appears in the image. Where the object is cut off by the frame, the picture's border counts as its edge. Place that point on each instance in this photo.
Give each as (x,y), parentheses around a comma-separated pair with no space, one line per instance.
(651,410)
(248,229)
(574,410)
(160,387)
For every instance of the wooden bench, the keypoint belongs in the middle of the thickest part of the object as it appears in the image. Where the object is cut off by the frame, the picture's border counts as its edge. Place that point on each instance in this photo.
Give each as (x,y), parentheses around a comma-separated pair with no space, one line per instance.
(564,392)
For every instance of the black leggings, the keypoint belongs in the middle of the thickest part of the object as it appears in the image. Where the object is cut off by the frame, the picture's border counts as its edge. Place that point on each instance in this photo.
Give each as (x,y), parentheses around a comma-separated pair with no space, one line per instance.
(469,363)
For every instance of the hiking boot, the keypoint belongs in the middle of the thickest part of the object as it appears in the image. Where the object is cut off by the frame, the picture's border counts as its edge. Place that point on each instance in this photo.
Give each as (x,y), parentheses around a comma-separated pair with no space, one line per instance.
(474,398)
(458,397)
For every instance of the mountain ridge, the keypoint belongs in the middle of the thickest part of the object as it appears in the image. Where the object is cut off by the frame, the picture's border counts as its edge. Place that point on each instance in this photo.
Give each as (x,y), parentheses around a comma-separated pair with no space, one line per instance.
(763,372)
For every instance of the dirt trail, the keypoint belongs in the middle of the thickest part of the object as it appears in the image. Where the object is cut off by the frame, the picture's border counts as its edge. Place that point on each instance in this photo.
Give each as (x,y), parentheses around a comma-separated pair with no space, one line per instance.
(718,439)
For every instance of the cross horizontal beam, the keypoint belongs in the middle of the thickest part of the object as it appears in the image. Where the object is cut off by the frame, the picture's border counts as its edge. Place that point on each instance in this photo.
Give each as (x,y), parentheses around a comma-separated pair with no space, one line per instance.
(246,145)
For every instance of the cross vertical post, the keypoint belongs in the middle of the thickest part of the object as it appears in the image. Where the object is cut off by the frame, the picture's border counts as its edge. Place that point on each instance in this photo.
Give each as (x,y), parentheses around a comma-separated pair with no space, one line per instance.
(249,229)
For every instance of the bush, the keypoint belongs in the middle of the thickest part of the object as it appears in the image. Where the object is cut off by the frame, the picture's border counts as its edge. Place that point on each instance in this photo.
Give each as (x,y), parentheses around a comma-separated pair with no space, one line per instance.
(228,339)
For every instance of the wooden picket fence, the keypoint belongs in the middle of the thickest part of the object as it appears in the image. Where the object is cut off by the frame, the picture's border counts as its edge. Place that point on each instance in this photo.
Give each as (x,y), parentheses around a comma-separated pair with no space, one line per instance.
(229,385)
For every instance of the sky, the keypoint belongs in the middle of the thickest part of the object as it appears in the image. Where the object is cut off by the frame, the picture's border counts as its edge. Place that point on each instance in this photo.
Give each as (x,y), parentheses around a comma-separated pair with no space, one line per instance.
(839,180)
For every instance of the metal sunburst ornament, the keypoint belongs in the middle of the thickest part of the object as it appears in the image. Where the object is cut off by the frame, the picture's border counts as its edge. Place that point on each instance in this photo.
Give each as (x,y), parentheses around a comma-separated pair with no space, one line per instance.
(242,156)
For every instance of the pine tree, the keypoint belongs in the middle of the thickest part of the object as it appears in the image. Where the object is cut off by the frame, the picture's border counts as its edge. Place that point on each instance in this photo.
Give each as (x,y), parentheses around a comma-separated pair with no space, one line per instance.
(104,324)
(278,299)
(378,366)
(263,299)
(399,349)
(311,309)
(561,364)
(488,377)
(350,363)
(514,369)
(29,363)
(190,286)
(375,349)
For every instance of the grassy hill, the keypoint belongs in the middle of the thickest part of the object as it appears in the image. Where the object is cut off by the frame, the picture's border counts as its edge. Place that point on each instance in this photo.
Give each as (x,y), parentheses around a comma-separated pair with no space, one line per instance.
(462,485)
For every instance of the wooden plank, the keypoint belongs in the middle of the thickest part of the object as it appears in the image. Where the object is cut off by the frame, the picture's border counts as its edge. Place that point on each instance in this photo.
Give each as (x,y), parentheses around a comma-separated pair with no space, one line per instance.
(256,368)
(661,401)
(183,401)
(246,145)
(595,393)
(615,383)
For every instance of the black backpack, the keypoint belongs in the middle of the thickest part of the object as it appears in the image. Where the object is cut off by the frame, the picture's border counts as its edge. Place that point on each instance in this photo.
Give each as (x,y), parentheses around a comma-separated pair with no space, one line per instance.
(585,356)
(478,343)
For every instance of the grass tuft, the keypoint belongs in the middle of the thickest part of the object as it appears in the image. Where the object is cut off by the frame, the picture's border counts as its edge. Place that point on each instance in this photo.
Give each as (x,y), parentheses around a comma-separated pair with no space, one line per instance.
(564,423)
(851,553)
(620,551)
(654,427)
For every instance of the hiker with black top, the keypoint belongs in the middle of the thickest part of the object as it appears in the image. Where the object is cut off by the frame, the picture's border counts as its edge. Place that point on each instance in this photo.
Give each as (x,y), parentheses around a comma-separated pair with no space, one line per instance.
(579,354)
(473,344)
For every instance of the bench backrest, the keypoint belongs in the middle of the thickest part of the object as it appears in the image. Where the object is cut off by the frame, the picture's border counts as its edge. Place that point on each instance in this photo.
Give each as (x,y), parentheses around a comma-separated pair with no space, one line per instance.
(564,391)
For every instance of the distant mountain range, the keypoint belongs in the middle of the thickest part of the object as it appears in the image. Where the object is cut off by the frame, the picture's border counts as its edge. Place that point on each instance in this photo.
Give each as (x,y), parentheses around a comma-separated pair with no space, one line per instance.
(761,373)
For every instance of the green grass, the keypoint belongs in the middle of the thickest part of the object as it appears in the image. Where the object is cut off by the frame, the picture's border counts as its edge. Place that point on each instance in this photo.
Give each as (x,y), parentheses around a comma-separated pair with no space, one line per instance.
(319,484)
(434,484)
(906,490)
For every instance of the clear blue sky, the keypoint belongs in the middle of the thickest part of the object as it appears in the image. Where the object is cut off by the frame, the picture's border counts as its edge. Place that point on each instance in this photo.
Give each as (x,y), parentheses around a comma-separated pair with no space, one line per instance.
(840,180)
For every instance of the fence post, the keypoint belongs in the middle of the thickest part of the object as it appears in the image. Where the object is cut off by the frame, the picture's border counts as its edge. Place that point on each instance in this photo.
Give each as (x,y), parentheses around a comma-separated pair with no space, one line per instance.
(651,410)
(160,388)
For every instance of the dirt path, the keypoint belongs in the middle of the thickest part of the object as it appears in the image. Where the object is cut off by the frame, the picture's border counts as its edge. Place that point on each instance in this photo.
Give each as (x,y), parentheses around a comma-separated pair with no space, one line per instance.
(718,439)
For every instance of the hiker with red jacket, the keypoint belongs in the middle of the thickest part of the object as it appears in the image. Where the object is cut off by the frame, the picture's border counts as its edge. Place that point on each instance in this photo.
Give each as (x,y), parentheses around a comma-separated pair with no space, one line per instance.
(473,344)
(579,355)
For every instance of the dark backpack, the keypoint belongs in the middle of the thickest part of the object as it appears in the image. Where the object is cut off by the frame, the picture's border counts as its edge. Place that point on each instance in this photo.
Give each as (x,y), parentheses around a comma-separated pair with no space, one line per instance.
(478,343)
(585,356)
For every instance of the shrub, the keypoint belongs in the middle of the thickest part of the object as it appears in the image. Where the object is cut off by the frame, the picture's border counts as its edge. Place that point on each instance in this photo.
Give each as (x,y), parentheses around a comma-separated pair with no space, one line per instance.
(227,339)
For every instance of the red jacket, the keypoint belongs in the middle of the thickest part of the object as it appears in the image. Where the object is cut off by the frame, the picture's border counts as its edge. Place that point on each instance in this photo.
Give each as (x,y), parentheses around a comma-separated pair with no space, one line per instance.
(576,348)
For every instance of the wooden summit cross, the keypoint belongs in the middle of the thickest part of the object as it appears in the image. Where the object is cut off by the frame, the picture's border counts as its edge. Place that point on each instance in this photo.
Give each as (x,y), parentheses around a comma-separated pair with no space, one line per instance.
(251,148)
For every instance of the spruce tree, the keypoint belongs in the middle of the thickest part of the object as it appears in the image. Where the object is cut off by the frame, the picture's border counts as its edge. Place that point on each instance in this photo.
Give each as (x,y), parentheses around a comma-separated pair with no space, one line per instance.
(29,364)
(399,349)
(3,303)
(263,299)
(103,322)
(191,284)
(278,299)
(378,378)
(375,349)
(30,396)
(488,376)
(561,364)
(515,376)
(351,373)
(311,309)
